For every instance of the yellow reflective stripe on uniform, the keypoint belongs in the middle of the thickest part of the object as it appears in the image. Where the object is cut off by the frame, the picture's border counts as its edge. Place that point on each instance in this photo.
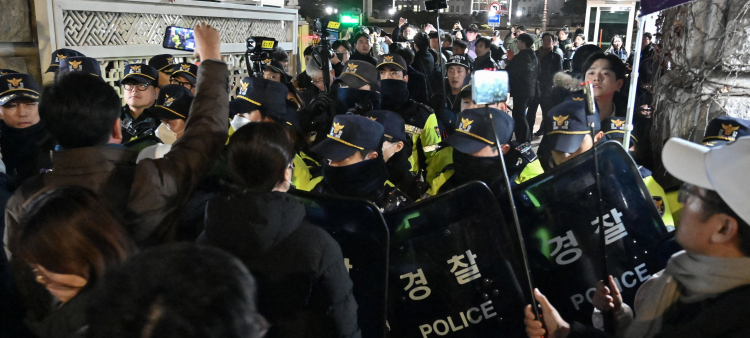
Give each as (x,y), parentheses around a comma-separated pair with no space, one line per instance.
(531,170)
(412,129)
(429,137)
(301,177)
(231,132)
(440,160)
(438,182)
(389,184)
(675,205)
(660,200)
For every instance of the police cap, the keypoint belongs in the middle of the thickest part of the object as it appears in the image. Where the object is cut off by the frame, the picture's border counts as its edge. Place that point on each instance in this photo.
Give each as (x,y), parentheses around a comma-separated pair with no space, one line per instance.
(349,134)
(475,132)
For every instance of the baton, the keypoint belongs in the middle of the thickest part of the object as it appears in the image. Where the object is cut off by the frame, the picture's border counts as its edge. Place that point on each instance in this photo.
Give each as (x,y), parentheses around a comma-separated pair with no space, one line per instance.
(588,90)
(535,305)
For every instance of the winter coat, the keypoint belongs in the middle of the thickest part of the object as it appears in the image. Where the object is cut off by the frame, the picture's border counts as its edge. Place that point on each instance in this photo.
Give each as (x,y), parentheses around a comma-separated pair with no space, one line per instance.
(523,72)
(485,62)
(356,55)
(22,152)
(550,65)
(621,53)
(424,63)
(304,289)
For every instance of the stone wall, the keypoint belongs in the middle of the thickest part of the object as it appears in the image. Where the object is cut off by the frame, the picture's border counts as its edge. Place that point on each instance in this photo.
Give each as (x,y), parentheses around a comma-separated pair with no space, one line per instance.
(18,47)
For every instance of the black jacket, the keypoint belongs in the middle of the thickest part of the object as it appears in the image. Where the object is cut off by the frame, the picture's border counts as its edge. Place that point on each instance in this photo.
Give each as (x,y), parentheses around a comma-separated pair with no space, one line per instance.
(356,55)
(566,46)
(550,65)
(424,63)
(485,62)
(304,288)
(141,126)
(417,85)
(22,150)
(522,74)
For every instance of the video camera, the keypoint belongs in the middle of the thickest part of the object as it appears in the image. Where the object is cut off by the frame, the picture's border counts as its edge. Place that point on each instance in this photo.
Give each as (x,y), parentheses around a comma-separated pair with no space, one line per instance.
(324,28)
(258,48)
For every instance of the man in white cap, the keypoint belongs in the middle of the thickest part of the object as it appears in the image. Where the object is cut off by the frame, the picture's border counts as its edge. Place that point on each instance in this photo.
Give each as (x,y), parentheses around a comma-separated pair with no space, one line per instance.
(705,289)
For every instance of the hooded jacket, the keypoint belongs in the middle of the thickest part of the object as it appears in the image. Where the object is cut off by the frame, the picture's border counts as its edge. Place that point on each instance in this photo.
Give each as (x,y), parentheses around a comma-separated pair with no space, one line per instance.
(304,287)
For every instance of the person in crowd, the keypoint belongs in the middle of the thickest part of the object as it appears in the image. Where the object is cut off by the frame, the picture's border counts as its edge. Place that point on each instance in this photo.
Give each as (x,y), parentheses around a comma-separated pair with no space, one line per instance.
(473,154)
(579,29)
(520,30)
(343,50)
(436,50)
(578,41)
(447,47)
(186,75)
(81,64)
(358,88)
(510,39)
(140,89)
(484,60)
(59,55)
(354,164)
(280,55)
(417,82)
(725,129)
(647,52)
(701,291)
(617,48)
(459,48)
(523,74)
(259,223)
(397,151)
(566,47)
(273,70)
(569,132)
(362,47)
(458,70)
(550,63)
(307,53)
(69,238)
(175,291)
(257,100)
(424,61)
(173,109)
(404,32)
(607,73)
(458,29)
(82,114)
(537,39)
(164,63)
(20,129)
(316,85)
(496,39)
(422,126)
(565,82)
(472,33)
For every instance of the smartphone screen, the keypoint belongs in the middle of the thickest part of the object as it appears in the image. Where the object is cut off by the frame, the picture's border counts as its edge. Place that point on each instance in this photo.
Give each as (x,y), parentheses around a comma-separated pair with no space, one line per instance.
(489,86)
(179,38)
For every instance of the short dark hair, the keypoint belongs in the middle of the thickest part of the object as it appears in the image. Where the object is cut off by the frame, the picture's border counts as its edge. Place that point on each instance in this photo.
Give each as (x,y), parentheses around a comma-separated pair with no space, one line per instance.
(95,239)
(259,154)
(527,39)
(79,110)
(460,43)
(308,51)
(521,27)
(579,35)
(716,205)
(473,28)
(582,54)
(552,36)
(279,54)
(485,40)
(176,290)
(405,53)
(648,35)
(615,64)
(434,35)
(449,38)
(338,43)
(422,41)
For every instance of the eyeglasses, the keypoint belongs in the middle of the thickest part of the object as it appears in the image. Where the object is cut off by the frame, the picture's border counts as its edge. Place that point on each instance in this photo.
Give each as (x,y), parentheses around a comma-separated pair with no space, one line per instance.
(687,190)
(138,87)
(186,84)
(317,82)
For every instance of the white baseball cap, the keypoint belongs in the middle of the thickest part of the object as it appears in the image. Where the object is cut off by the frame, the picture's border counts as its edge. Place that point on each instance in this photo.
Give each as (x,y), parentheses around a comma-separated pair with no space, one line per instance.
(720,169)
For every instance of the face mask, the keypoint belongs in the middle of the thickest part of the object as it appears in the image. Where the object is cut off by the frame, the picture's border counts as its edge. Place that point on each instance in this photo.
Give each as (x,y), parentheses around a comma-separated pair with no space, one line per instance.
(394,94)
(472,168)
(340,56)
(359,101)
(238,121)
(166,135)
(364,179)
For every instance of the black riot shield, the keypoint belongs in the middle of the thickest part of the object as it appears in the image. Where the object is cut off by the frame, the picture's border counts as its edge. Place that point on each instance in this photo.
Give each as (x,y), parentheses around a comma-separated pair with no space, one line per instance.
(558,216)
(453,269)
(359,228)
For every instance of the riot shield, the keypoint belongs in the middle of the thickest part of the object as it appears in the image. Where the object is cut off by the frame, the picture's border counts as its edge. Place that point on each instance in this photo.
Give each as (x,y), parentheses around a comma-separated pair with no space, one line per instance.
(453,268)
(359,228)
(559,222)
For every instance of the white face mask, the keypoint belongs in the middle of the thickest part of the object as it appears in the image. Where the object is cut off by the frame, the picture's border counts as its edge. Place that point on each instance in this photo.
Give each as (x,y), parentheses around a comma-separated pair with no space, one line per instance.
(166,135)
(238,121)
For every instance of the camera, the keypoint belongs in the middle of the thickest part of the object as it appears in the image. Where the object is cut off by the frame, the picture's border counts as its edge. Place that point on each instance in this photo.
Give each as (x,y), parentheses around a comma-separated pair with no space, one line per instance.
(258,48)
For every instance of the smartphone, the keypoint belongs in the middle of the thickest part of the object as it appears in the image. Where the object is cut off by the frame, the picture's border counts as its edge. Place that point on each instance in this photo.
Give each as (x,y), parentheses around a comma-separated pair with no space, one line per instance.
(179,38)
(489,86)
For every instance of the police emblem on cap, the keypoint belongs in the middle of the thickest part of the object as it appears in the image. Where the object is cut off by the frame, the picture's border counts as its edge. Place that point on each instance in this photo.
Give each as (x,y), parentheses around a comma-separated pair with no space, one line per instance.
(730,131)
(243,90)
(578,98)
(135,69)
(352,68)
(336,130)
(372,118)
(170,60)
(267,61)
(388,58)
(169,101)
(185,67)
(617,124)
(75,65)
(15,83)
(465,124)
(561,122)
(60,57)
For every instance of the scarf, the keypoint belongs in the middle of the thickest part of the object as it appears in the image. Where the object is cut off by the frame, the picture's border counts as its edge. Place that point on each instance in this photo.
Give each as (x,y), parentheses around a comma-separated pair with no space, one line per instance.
(394,94)
(688,278)
(365,179)
(471,168)
(356,101)
(20,149)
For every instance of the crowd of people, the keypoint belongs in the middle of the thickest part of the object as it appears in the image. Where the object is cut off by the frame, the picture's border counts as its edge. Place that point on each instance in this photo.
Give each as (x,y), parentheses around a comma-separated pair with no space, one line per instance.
(174,214)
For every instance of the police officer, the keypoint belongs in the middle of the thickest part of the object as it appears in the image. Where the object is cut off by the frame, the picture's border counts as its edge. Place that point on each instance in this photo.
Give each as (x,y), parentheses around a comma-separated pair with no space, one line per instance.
(172,107)
(725,129)
(614,129)
(458,70)
(421,123)
(21,130)
(79,64)
(257,100)
(358,88)
(140,90)
(472,154)
(164,63)
(354,164)
(273,70)
(59,55)
(569,132)
(185,74)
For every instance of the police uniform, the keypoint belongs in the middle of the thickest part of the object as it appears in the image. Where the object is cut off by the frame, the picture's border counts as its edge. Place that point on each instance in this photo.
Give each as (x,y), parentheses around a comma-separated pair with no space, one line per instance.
(367,179)
(79,64)
(58,56)
(173,103)
(473,134)
(143,127)
(568,126)
(188,70)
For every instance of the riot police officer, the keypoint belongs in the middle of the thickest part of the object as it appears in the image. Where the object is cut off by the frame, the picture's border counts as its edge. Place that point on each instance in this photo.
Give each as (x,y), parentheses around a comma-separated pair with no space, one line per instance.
(140,88)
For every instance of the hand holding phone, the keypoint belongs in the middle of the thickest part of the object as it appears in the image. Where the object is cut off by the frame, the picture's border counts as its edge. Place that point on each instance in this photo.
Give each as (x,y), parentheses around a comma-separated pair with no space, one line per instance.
(179,38)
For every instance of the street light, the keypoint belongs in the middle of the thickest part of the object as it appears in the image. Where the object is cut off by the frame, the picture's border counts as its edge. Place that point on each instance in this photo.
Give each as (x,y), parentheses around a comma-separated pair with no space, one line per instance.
(329,10)
(519,13)
(392,11)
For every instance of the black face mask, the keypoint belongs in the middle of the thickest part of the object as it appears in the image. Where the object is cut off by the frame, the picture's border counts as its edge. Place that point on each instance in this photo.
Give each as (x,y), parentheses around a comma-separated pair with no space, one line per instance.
(471,168)
(394,94)
(357,101)
(365,179)
(340,56)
